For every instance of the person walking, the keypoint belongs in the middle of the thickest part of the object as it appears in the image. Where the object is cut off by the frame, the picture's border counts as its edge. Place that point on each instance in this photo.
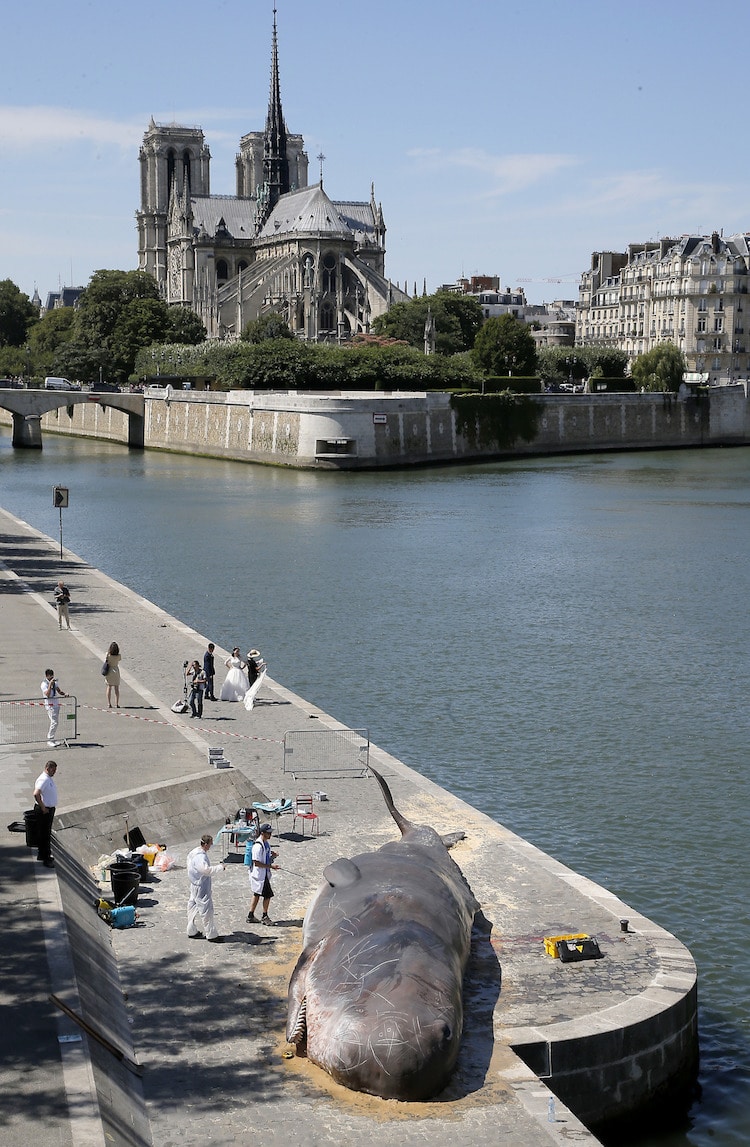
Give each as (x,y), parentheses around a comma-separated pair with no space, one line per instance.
(209,668)
(200,902)
(52,691)
(45,800)
(260,879)
(62,600)
(197,686)
(112,676)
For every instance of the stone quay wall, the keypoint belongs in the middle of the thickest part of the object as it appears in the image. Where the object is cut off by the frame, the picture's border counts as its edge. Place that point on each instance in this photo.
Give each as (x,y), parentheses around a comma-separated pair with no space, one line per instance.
(378,429)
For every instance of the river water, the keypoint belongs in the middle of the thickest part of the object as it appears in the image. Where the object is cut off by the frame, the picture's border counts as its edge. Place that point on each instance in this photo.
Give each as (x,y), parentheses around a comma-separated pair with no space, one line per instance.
(561,642)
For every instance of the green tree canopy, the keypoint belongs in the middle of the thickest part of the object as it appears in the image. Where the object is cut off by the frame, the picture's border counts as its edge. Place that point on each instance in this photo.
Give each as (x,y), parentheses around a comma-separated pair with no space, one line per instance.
(48,337)
(559,362)
(505,345)
(118,314)
(17,314)
(271,326)
(185,327)
(659,369)
(458,318)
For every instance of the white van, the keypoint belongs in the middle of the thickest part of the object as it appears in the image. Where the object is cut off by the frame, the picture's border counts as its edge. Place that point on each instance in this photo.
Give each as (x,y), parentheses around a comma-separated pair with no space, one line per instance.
(52,383)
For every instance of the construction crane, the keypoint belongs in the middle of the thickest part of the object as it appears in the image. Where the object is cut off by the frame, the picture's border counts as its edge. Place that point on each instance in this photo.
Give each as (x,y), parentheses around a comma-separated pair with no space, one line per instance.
(553,279)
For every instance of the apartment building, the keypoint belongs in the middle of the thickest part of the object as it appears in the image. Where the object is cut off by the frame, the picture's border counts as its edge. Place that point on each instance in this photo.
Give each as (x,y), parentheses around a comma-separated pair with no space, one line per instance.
(691,291)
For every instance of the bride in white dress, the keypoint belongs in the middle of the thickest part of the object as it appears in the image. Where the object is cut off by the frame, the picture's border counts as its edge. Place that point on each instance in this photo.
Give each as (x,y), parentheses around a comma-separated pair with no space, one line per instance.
(236,683)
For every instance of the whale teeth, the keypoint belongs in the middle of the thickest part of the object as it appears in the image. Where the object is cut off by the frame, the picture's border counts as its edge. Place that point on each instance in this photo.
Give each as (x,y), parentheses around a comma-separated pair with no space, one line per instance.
(300,1028)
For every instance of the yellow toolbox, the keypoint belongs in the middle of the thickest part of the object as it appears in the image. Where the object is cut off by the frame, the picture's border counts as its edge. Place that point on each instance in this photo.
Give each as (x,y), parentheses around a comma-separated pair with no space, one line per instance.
(551,942)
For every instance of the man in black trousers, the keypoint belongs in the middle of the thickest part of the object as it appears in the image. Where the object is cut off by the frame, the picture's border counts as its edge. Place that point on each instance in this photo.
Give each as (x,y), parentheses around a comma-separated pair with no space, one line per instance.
(45,798)
(209,670)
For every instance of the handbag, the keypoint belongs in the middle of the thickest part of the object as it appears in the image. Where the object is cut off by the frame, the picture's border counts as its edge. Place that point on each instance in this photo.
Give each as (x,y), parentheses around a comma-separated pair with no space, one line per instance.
(105,667)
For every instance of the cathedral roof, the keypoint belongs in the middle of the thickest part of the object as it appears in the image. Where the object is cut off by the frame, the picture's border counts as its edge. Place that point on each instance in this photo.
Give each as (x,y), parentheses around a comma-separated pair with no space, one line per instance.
(359,218)
(238,215)
(307,211)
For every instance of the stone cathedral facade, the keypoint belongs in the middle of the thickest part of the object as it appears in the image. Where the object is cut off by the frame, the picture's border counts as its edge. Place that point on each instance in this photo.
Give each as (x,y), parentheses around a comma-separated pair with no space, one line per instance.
(279,245)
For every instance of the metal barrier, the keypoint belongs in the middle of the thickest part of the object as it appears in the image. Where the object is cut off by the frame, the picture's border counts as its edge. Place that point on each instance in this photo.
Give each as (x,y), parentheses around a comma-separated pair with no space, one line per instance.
(318,752)
(23,722)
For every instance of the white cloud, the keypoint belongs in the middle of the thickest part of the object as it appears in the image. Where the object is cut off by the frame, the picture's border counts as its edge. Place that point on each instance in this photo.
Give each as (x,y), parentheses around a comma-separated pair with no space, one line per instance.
(22,128)
(506,173)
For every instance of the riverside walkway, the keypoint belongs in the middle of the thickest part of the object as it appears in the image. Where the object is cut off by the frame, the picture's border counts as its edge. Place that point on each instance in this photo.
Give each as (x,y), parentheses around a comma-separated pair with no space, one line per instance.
(205,1023)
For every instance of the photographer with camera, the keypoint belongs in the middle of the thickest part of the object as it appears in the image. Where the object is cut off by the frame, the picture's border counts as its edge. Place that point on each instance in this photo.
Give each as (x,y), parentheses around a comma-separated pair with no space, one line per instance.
(196,677)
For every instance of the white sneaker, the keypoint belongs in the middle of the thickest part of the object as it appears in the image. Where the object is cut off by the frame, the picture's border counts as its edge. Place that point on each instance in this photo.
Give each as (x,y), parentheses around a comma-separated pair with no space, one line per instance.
(53,744)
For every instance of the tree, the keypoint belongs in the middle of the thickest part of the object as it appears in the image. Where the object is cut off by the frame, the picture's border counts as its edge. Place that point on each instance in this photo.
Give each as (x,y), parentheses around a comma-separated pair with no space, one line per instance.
(555,363)
(17,314)
(118,314)
(185,327)
(659,369)
(48,337)
(505,345)
(457,320)
(271,326)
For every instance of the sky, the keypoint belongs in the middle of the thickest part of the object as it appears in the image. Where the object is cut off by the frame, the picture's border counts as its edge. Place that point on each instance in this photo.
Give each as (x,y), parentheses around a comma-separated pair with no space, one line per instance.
(502,138)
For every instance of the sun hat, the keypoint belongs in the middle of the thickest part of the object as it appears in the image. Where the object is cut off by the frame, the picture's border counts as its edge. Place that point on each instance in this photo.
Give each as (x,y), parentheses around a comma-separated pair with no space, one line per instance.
(254,653)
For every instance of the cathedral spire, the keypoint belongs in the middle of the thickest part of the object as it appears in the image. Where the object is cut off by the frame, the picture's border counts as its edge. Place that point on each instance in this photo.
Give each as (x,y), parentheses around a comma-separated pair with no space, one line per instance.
(275,162)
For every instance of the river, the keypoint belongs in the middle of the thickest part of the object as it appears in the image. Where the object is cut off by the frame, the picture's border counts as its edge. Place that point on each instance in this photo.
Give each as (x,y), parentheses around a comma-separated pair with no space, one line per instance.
(562,642)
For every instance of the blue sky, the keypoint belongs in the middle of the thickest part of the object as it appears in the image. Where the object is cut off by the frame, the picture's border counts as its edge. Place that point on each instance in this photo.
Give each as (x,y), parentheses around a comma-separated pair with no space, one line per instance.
(502,137)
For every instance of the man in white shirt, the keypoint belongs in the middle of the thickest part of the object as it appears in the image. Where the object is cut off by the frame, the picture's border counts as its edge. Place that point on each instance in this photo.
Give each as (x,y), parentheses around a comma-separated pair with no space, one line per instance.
(201,901)
(45,799)
(51,691)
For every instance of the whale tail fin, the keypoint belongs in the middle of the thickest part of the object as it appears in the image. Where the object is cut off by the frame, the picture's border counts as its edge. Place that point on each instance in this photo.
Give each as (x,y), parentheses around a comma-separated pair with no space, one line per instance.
(403,824)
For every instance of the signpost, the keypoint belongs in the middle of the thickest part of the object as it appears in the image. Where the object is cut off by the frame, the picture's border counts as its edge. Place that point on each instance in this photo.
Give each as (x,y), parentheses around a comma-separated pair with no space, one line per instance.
(60,500)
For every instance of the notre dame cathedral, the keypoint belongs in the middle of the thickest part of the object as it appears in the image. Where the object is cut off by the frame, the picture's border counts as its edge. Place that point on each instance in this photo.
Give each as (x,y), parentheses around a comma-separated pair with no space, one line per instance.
(279,245)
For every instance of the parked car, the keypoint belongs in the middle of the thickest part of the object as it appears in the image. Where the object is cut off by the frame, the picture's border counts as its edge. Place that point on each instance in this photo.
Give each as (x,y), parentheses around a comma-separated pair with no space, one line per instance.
(11,383)
(54,383)
(104,388)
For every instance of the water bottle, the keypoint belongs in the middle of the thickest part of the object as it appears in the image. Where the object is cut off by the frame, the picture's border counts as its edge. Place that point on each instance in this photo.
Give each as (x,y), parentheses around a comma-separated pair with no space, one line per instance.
(551,1118)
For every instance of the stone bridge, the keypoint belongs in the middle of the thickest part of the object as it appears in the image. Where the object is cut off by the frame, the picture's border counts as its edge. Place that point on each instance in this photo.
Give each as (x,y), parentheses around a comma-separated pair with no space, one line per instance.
(28,406)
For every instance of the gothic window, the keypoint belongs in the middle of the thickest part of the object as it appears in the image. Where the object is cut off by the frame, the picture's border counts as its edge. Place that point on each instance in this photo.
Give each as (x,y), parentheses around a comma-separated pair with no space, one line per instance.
(241,266)
(222,271)
(186,182)
(327,318)
(329,274)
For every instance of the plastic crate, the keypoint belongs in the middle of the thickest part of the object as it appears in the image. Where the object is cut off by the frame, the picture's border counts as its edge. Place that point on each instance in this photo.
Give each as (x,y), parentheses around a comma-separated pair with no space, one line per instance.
(551,942)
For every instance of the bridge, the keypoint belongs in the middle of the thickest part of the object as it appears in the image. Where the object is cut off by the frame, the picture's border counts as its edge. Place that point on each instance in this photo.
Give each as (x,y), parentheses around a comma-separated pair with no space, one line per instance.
(28,406)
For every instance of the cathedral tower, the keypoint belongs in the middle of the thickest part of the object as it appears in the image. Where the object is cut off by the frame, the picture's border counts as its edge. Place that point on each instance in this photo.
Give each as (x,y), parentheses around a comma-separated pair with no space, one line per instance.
(174,160)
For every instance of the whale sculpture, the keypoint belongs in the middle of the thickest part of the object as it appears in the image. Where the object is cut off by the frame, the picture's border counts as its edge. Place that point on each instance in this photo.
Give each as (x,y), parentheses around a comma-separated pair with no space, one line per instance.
(375,998)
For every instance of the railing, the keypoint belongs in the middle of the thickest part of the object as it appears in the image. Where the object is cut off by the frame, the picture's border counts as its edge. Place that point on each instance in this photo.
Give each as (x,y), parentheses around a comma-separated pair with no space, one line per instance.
(326,752)
(26,721)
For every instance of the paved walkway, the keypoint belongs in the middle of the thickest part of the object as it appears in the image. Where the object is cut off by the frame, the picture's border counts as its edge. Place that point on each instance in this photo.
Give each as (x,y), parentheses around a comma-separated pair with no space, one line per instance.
(206,1022)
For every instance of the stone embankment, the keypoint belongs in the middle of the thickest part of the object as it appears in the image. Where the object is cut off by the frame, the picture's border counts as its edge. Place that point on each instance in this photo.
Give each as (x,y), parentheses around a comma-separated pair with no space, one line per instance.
(378,429)
(548,1047)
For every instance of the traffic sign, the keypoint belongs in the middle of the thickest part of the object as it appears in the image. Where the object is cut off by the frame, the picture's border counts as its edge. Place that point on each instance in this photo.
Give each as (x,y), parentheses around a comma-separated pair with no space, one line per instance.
(60,497)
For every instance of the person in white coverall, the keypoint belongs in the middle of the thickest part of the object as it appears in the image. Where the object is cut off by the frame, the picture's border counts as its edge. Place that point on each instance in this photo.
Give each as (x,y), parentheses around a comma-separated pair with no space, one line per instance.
(201,901)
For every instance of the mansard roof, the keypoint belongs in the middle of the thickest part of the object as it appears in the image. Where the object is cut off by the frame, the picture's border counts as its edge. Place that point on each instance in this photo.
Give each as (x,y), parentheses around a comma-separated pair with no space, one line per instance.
(237,215)
(304,212)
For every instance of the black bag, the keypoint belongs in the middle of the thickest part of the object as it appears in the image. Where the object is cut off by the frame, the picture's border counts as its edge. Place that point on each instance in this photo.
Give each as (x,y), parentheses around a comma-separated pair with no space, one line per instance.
(105,667)
(584,948)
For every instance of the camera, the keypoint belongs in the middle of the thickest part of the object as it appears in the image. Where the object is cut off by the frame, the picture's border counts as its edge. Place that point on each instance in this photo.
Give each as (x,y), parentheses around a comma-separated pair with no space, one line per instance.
(185,664)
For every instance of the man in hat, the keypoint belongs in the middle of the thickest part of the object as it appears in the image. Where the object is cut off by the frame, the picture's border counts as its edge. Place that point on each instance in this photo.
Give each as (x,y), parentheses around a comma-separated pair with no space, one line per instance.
(260,875)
